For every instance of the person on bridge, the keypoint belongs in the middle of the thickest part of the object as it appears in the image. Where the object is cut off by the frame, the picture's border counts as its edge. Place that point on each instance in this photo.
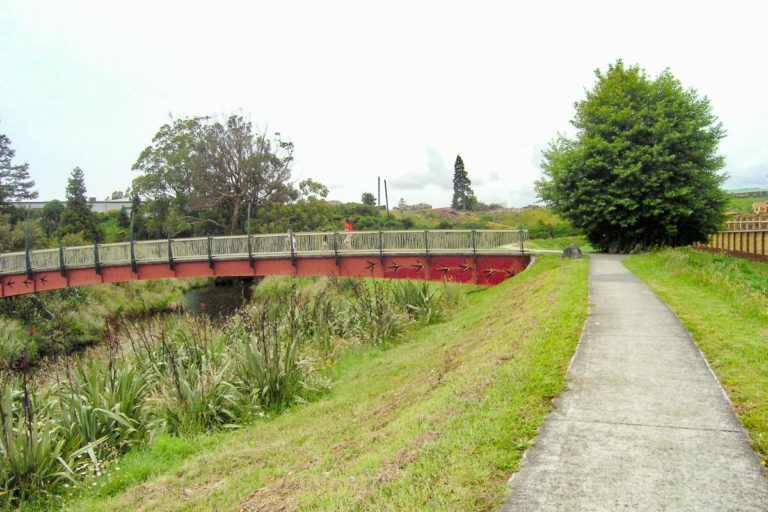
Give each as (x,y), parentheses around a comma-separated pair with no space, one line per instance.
(348,238)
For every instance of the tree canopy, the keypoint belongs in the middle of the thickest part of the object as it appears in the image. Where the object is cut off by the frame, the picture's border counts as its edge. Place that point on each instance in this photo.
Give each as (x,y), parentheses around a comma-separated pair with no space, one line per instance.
(15,183)
(643,167)
(213,170)
(368,199)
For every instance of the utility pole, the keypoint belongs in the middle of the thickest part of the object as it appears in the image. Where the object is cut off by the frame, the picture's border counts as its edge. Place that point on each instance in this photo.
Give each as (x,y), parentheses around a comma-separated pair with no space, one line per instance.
(386,196)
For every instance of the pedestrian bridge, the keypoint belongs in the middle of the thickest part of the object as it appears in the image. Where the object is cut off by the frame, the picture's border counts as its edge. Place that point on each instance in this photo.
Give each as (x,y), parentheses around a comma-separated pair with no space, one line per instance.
(484,257)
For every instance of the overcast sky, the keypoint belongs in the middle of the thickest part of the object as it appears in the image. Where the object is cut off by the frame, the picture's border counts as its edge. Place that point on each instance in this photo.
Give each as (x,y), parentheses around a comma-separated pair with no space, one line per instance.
(364,89)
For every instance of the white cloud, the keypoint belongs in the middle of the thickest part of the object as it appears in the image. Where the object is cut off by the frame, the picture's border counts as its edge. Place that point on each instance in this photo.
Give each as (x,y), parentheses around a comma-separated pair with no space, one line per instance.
(362,89)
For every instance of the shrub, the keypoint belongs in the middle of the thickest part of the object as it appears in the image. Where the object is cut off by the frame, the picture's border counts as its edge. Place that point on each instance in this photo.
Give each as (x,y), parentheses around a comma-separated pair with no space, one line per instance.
(377,317)
(419,299)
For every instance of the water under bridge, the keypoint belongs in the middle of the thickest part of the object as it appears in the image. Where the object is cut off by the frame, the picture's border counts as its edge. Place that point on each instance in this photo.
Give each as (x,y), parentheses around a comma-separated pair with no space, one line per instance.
(485,257)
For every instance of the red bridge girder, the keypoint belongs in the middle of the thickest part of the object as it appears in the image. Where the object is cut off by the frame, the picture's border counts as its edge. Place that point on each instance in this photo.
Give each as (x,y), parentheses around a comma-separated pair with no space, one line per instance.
(484,269)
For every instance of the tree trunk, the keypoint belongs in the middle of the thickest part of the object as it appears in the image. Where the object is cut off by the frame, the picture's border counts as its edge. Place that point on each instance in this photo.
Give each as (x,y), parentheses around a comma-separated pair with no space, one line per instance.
(235,215)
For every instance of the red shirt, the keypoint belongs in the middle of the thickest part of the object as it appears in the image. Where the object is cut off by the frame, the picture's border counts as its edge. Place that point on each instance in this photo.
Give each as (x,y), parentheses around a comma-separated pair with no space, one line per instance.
(348,226)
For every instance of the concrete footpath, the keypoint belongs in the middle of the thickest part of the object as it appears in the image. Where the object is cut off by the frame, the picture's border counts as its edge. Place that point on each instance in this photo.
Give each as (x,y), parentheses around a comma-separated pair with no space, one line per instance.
(643,424)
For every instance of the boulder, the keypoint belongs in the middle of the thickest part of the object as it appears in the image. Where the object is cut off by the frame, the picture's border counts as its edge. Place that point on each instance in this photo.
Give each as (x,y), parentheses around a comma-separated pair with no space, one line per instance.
(572,252)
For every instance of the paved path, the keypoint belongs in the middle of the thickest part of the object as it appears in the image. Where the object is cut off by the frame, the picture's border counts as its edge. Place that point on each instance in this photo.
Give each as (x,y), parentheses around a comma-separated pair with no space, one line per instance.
(644,425)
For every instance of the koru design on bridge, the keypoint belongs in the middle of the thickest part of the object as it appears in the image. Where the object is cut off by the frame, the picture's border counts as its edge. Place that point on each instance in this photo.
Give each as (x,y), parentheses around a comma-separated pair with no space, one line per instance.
(484,257)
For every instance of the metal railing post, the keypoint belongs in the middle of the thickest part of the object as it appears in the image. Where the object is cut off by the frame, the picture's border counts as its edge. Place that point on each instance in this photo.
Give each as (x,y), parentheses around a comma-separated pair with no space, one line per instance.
(336,247)
(426,242)
(381,246)
(520,236)
(210,253)
(171,263)
(96,261)
(62,264)
(27,257)
(291,243)
(134,265)
(251,261)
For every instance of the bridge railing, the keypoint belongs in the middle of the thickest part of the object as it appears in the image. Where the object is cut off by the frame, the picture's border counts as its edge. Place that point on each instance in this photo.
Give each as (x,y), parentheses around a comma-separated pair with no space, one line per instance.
(268,246)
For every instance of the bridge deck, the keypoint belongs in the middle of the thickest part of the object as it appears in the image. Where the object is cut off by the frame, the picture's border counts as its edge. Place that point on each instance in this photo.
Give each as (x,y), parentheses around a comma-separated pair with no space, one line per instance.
(479,256)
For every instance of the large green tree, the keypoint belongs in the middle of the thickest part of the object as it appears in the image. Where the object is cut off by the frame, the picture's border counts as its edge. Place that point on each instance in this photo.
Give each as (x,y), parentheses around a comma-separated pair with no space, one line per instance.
(207,171)
(77,217)
(463,196)
(15,183)
(643,167)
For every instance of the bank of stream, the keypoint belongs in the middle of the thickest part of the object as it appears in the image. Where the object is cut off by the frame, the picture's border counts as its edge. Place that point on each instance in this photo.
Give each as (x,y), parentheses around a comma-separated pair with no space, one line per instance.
(219,298)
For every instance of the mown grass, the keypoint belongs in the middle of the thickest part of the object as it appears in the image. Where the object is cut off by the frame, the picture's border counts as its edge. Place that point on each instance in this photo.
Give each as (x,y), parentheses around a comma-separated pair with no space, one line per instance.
(742,205)
(439,420)
(723,301)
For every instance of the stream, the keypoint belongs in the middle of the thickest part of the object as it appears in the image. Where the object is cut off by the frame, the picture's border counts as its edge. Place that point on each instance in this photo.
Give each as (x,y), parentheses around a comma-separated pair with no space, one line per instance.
(219,299)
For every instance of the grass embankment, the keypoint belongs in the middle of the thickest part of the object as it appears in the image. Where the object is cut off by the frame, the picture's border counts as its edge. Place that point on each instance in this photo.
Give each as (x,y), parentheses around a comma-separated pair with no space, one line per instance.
(743,205)
(723,302)
(63,321)
(439,420)
(558,244)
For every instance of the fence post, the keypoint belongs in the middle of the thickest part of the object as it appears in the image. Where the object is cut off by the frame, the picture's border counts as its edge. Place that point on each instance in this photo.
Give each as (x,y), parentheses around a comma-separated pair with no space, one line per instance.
(520,236)
(426,242)
(291,243)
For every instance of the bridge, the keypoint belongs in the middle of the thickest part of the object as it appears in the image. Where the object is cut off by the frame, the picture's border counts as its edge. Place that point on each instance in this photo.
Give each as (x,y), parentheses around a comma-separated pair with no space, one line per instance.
(484,257)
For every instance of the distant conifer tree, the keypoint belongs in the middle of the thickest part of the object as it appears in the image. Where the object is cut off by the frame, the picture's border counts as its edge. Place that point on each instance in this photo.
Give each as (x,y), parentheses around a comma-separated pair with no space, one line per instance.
(77,216)
(463,196)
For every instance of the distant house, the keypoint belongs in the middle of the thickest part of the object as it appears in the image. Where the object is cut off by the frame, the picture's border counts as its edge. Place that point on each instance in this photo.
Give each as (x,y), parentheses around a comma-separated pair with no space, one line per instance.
(96,206)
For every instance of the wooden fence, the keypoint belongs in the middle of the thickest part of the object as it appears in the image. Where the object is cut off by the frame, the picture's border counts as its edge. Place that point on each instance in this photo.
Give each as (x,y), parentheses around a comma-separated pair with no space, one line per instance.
(744,236)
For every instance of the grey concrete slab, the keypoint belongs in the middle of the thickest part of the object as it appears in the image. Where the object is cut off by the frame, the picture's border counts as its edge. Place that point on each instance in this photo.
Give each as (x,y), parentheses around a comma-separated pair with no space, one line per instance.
(643,424)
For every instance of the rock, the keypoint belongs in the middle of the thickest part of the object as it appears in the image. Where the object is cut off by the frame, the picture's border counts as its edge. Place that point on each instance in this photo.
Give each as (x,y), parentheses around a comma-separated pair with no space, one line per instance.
(572,252)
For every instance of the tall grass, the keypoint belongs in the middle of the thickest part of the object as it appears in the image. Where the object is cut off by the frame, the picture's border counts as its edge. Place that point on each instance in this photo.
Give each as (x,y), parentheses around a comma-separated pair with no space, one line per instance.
(184,375)
(378,318)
